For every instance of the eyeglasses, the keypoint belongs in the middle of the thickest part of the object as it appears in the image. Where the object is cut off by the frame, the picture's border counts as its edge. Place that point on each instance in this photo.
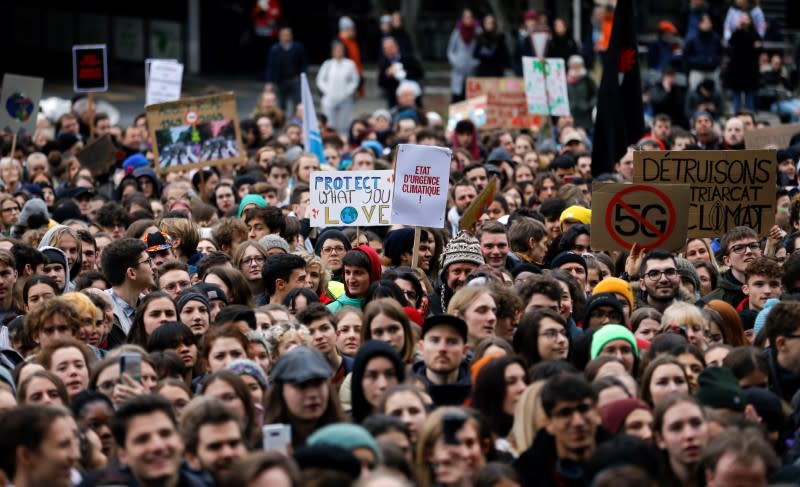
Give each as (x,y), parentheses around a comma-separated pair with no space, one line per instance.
(175,285)
(412,295)
(147,261)
(553,334)
(655,275)
(333,250)
(258,259)
(611,315)
(742,248)
(568,412)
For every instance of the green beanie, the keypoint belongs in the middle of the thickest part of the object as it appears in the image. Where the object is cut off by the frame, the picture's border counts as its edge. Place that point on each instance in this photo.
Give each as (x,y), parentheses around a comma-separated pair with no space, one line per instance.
(347,436)
(609,333)
(718,388)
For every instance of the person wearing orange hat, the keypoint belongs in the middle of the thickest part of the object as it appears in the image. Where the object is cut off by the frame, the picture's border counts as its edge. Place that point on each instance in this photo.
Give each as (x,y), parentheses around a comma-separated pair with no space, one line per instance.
(662,49)
(621,289)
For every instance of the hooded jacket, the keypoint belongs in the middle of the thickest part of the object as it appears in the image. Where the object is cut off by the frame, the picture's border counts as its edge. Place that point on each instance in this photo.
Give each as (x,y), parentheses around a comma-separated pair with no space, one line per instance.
(47,241)
(149,173)
(728,289)
(375,271)
(58,253)
(369,350)
(446,394)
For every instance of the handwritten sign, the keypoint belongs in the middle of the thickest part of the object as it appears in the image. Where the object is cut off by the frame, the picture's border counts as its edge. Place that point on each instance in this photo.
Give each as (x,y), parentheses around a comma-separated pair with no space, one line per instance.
(545,86)
(652,216)
(351,198)
(475,209)
(506,105)
(422,176)
(777,137)
(89,68)
(20,104)
(196,132)
(163,79)
(473,109)
(728,188)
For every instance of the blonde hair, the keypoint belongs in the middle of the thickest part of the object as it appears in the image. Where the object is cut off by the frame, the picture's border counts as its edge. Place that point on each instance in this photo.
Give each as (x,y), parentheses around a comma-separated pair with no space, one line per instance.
(184,230)
(276,333)
(529,418)
(324,274)
(680,312)
(466,296)
(83,305)
(429,434)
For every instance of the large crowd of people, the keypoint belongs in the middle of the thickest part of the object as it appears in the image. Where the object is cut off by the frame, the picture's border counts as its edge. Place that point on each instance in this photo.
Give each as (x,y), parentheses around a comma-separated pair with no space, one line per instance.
(191,328)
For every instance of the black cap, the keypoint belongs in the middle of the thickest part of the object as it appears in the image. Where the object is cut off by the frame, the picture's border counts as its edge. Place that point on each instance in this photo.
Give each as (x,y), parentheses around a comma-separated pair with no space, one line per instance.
(445,320)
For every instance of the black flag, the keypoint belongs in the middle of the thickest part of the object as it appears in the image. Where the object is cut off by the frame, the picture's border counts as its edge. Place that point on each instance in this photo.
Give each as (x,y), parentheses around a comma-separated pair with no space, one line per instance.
(620,116)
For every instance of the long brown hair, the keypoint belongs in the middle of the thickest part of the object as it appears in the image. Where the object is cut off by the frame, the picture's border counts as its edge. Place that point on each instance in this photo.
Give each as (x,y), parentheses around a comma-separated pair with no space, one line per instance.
(276,411)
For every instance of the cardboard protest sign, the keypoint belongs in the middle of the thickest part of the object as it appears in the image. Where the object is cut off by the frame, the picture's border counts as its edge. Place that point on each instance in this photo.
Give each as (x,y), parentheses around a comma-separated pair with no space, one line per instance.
(473,109)
(474,211)
(163,79)
(196,132)
(545,86)
(20,104)
(506,105)
(89,68)
(652,216)
(421,179)
(351,198)
(99,155)
(728,188)
(777,137)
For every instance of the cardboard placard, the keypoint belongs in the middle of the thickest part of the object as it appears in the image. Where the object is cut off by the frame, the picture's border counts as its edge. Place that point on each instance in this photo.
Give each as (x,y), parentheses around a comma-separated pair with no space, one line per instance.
(20,104)
(89,68)
(475,209)
(506,105)
(163,79)
(728,188)
(421,180)
(652,216)
(776,137)
(196,132)
(351,198)
(545,86)
(473,109)
(99,155)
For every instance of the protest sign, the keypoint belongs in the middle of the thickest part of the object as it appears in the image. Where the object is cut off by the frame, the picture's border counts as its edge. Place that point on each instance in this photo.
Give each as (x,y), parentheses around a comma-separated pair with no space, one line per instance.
(351,198)
(777,137)
(652,216)
(20,99)
(474,211)
(506,105)
(473,109)
(421,179)
(99,155)
(728,188)
(163,79)
(89,68)
(195,132)
(545,86)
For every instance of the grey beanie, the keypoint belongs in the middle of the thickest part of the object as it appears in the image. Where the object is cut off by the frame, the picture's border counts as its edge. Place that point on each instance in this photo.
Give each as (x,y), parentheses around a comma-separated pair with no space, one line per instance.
(687,271)
(274,242)
(32,207)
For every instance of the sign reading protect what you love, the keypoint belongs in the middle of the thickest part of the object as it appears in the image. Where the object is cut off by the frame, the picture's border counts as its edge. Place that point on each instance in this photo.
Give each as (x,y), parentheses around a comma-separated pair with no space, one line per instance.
(728,188)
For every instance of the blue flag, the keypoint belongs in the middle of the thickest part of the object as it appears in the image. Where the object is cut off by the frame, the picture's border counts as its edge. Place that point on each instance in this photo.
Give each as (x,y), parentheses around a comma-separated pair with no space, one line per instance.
(311,134)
